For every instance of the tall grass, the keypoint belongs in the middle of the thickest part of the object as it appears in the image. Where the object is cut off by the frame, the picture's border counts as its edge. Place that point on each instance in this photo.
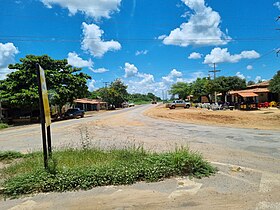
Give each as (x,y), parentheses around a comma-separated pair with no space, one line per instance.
(86,168)
(3,125)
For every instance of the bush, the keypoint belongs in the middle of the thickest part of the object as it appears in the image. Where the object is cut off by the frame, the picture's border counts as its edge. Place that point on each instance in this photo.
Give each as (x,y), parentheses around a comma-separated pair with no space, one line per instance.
(3,125)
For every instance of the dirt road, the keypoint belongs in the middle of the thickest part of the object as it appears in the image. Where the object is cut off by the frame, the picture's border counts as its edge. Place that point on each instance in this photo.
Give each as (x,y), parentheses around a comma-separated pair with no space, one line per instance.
(248,160)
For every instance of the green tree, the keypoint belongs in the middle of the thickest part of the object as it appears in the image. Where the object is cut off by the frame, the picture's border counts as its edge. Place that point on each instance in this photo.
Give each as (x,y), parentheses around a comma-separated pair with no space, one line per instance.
(181,89)
(65,83)
(250,82)
(115,94)
(224,84)
(200,87)
(274,84)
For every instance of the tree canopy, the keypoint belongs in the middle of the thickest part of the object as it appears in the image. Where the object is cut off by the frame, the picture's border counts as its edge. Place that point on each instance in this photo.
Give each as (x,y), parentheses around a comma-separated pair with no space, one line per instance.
(224,84)
(64,82)
(201,87)
(115,93)
(182,89)
(274,84)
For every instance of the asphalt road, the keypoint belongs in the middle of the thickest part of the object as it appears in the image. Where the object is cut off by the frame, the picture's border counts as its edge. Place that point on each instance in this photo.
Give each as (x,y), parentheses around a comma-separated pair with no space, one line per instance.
(248,161)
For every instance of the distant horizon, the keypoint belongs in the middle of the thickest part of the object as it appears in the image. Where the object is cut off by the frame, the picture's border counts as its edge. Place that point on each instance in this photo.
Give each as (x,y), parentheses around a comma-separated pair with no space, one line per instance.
(149,45)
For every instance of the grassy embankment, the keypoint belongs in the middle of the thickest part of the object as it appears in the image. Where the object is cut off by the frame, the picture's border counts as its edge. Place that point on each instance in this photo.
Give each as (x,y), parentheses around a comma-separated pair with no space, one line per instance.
(74,169)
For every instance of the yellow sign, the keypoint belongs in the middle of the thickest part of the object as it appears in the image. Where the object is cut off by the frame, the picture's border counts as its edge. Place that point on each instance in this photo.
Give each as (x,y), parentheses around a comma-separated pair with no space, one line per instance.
(45,97)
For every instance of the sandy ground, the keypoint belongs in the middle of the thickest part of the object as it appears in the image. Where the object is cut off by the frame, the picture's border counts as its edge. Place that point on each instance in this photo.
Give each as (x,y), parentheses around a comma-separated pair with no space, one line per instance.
(266,119)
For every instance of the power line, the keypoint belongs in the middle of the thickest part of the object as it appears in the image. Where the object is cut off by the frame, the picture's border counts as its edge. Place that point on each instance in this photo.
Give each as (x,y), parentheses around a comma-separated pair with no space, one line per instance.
(55,39)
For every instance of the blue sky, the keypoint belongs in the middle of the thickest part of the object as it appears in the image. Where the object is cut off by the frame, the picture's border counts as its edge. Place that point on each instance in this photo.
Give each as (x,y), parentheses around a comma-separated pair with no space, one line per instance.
(149,44)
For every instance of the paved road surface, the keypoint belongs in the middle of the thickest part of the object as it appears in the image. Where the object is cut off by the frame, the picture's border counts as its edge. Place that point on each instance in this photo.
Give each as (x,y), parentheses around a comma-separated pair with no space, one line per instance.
(248,160)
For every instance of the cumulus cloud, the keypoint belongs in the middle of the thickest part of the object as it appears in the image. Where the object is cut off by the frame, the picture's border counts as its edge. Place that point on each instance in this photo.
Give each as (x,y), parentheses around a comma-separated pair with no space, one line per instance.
(91,8)
(219,55)
(145,83)
(99,70)
(195,55)
(172,76)
(249,67)
(258,79)
(202,28)
(74,60)
(130,70)
(91,85)
(92,41)
(241,76)
(277,4)
(7,56)
(141,52)
(146,78)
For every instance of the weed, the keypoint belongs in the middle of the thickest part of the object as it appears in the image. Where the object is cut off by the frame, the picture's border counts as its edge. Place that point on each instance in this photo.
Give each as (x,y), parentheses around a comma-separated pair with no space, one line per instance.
(10,155)
(74,169)
(3,125)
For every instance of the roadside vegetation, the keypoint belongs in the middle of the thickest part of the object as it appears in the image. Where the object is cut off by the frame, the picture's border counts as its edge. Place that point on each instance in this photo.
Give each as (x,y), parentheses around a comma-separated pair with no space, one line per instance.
(3,125)
(74,169)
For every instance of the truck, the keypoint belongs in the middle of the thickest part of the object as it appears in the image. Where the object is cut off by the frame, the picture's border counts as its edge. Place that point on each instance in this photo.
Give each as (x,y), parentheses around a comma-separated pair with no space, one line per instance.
(179,103)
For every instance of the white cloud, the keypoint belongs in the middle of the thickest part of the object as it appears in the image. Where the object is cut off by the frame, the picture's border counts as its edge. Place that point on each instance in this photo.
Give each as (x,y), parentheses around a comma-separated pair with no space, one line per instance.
(147,78)
(145,83)
(91,85)
(93,43)
(258,78)
(74,60)
(7,56)
(91,8)
(249,67)
(219,55)
(130,70)
(241,76)
(195,55)
(277,4)
(99,70)
(202,28)
(141,52)
(172,76)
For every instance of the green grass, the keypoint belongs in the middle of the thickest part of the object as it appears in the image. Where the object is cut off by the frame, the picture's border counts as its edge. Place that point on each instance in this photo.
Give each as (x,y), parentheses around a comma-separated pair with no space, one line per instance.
(10,155)
(73,169)
(3,125)
(141,102)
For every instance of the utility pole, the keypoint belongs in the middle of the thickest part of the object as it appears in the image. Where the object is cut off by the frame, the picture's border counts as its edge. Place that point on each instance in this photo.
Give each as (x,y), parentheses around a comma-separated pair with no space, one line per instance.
(1,116)
(215,71)
(106,84)
(106,94)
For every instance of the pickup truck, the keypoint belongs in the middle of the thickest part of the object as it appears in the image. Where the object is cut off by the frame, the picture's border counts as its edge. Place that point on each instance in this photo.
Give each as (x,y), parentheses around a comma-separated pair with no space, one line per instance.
(179,103)
(74,113)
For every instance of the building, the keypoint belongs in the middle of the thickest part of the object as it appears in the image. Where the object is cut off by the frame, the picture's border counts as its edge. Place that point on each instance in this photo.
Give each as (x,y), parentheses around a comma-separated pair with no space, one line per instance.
(253,96)
(90,104)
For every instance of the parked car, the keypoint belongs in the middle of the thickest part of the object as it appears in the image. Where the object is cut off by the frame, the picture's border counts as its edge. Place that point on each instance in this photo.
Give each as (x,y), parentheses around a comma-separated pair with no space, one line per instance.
(131,104)
(74,113)
(154,102)
(179,103)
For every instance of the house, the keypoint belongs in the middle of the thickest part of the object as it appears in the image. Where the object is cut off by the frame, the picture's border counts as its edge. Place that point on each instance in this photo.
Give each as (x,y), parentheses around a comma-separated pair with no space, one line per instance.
(90,104)
(253,96)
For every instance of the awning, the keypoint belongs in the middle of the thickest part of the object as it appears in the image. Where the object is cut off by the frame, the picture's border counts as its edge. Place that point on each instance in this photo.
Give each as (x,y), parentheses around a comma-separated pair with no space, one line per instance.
(247,94)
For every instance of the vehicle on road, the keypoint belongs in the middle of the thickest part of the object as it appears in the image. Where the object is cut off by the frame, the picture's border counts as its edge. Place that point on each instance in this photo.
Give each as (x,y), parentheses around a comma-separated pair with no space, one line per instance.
(131,104)
(74,113)
(179,103)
